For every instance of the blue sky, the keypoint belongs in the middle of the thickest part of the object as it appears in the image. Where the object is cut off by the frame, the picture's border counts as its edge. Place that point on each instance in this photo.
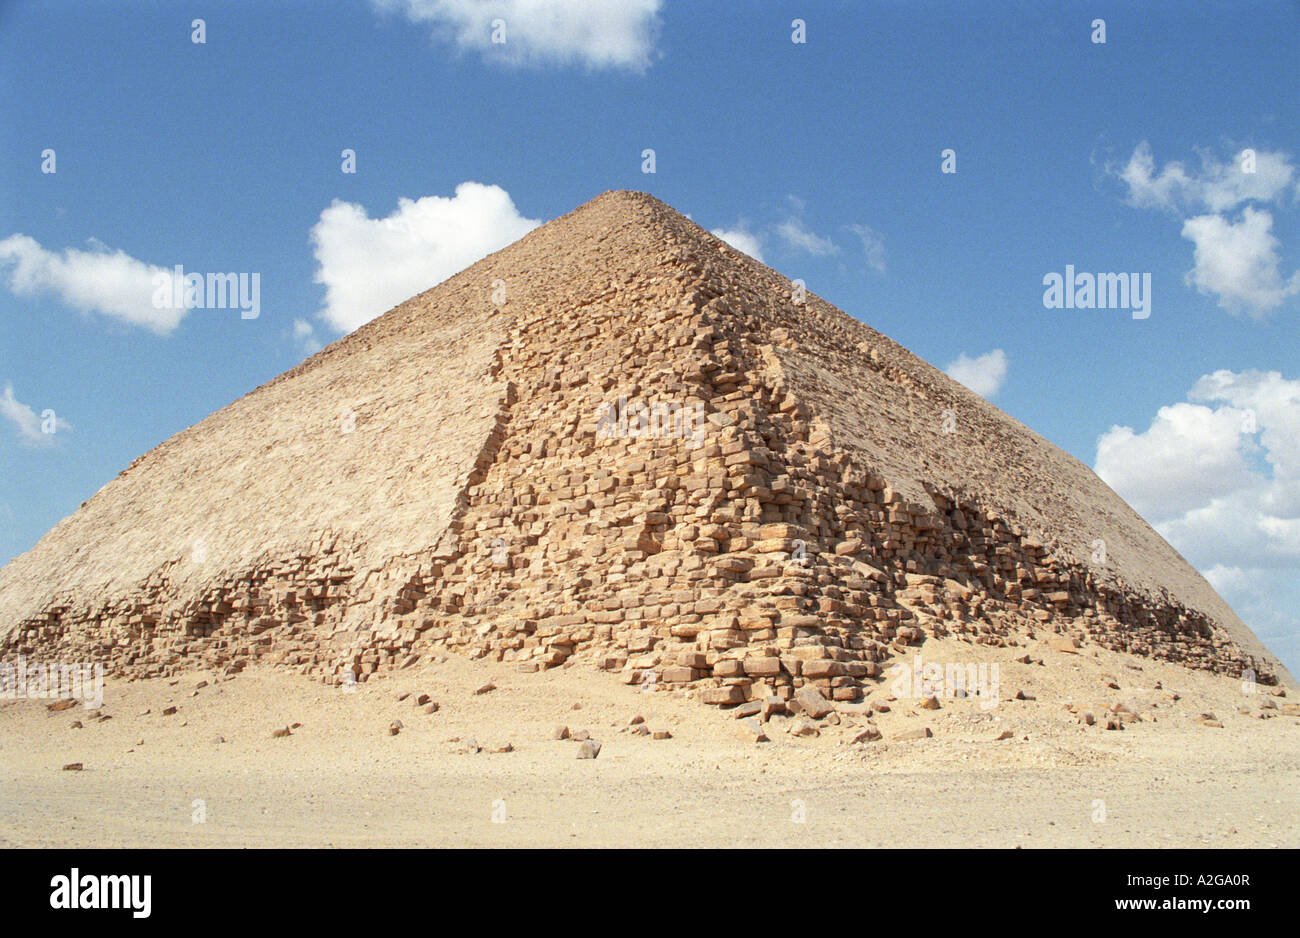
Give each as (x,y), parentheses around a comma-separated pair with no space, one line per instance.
(824,157)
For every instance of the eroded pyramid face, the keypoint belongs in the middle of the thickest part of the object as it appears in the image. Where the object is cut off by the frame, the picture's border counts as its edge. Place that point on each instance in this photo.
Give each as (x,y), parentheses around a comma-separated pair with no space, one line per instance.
(622,441)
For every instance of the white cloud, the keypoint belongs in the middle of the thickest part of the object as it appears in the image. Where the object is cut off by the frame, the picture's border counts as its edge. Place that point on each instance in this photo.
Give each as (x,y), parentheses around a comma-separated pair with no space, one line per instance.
(1188,456)
(304,334)
(1218,187)
(797,236)
(594,33)
(1239,262)
(31,426)
(873,245)
(1219,477)
(742,240)
(983,375)
(368,265)
(99,280)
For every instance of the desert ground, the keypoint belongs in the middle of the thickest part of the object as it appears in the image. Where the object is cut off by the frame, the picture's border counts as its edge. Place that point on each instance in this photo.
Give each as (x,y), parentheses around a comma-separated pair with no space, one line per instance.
(211,773)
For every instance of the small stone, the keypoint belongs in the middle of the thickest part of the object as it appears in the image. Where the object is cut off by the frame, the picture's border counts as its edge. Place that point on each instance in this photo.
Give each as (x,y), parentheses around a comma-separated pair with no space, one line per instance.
(579,736)
(508,747)
(589,749)
(73,767)
(1063,643)
(486,688)
(168,711)
(747,710)
(802,727)
(812,702)
(217,740)
(423,699)
(394,728)
(66,703)
(929,703)
(280,733)
(750,731)
(661,734)
(560,732)
(1005,734)
(640,730)
(430,708)
(636,720)
(922,733)
(868,735)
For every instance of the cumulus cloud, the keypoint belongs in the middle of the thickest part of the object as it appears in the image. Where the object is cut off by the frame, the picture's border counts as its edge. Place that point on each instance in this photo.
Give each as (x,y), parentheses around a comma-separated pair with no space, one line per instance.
(1218,475)
(100,280)
(593,33)
(983,374)
(1217,187)
(797,236)
(33,429)
(741,239)
(368,265)
(1236,261)
(1239,262)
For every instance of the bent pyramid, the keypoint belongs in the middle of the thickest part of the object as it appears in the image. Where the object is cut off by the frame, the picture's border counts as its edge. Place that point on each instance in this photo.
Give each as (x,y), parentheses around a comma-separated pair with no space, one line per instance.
(617,441)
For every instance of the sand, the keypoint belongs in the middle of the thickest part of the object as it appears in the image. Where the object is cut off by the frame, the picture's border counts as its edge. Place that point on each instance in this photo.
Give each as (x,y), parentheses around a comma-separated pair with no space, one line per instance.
(341,779)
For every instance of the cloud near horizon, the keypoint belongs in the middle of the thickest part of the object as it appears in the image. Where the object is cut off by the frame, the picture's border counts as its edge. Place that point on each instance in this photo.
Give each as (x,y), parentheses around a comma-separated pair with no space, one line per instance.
(1218,475)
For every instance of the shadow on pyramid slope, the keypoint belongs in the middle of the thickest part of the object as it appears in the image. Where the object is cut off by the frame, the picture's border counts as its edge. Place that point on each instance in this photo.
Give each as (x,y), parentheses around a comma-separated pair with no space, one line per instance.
(619,441)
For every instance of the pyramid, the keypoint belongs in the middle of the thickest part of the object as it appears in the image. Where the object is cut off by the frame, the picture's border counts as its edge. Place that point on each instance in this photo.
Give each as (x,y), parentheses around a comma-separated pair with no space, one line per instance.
(617,443)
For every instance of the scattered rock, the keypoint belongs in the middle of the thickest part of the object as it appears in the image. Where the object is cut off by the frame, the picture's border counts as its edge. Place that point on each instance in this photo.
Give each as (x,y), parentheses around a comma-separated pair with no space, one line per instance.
(636,720)
(560,732)
(803,728)
(661,734)
(812,702)
(589,749)
(922,733)
(868,735)
(280,733)
(73,767)
(168,711)
(486,688)
(929,703)
(750,731)
(1005,734)
(1063,643)
(394,728)
(67,703)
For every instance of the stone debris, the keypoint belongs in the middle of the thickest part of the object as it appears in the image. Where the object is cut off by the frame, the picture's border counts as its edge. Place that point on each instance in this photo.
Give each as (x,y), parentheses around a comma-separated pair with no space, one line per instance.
(560,732)
(589,749)
(649,459)
(922,733)
(395,727)
(750,731)
(73,767)
(276,734)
